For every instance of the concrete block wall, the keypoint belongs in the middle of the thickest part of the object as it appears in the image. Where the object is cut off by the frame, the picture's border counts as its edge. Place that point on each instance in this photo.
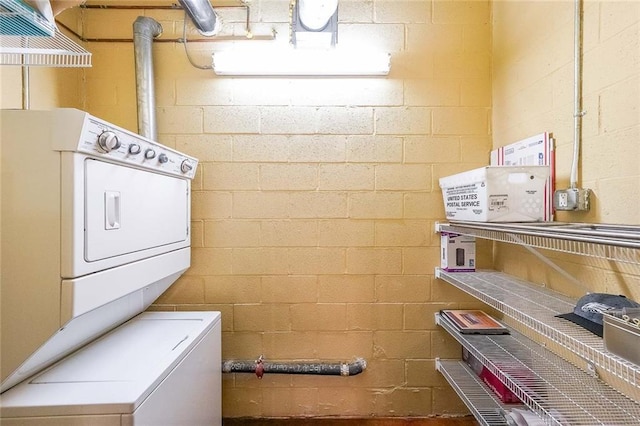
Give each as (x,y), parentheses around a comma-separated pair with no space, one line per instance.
(533,92)
(315,201)
(49,88)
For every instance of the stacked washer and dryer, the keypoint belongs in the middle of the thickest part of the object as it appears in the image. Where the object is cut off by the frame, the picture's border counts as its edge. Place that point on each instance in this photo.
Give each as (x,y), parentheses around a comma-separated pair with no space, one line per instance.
(95,226)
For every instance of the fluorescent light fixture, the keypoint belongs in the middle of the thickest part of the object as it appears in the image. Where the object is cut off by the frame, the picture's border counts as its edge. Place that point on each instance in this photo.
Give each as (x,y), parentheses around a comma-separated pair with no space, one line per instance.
(300,62)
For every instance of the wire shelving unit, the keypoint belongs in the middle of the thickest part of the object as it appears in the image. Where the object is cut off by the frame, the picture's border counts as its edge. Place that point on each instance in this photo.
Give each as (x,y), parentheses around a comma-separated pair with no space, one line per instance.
(535,308)
(612,242)
(557,391)
(27,39)
(483,404)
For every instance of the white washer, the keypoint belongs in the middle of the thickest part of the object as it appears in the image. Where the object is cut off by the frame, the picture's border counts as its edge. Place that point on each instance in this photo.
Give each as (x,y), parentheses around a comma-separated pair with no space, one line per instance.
(95,226)
(159,368)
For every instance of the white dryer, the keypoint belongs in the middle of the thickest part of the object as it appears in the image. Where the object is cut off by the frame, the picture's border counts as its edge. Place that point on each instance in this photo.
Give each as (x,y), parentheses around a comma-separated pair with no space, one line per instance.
(95,226)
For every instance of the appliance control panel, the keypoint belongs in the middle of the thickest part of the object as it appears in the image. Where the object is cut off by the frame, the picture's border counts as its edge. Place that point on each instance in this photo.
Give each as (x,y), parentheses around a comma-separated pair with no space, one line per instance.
(105,140)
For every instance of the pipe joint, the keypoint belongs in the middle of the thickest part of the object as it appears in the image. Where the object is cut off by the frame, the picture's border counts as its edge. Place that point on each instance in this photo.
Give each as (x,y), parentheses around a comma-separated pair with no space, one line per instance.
(144,26)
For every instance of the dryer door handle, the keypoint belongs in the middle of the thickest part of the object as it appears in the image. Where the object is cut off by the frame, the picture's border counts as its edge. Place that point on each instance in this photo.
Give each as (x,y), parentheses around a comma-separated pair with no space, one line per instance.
(111,210)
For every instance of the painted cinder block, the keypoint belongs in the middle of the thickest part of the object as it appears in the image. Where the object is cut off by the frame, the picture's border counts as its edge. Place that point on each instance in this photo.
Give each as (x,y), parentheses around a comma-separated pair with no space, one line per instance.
(405,177)
(346,177)
(402,288)
(231,119)
(346,233)
(374,260)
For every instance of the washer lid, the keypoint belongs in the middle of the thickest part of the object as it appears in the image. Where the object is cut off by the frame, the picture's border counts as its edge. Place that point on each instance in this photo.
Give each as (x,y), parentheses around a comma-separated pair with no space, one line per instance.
(131,354)
(114,374)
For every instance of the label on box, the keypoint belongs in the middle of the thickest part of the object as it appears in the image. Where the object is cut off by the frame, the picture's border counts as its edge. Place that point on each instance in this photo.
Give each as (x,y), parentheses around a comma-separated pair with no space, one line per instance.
(499,203)
(465,196)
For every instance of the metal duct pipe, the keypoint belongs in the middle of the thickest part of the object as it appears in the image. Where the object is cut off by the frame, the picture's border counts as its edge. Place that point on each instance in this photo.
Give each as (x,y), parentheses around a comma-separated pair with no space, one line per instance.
(315,14)
(260,367)
(144,31)
(202,14)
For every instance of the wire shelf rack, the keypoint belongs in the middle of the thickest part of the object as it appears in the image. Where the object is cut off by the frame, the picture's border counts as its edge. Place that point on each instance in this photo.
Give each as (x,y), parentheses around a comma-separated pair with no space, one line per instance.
(28,39)
(18,18)
(483,404)
(611,242)
(535,308)
(56,51)
(557,391)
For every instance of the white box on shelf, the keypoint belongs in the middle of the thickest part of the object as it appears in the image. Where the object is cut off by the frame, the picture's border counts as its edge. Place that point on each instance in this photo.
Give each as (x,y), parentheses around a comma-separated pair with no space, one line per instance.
(536,150)
(457,252)
(496,194)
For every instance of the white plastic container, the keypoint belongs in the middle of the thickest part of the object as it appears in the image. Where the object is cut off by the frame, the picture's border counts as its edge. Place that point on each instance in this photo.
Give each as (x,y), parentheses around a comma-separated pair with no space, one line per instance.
(496,194)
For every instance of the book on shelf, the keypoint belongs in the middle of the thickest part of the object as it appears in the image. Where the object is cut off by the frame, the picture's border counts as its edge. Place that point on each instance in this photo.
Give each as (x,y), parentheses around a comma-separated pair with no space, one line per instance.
(473,322)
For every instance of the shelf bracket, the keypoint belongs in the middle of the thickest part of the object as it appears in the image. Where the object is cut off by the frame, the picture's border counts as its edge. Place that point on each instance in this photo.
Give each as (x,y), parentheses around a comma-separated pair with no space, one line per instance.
(591,370)
(549,263)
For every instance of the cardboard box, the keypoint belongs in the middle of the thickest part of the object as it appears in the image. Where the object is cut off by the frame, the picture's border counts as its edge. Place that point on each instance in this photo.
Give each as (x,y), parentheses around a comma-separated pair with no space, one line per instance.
(536,150)
(496,194)
(458,252)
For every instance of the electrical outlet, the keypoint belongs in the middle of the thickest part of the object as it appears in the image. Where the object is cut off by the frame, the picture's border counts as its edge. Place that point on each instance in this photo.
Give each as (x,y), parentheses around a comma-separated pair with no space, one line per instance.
(562,200)
(572,199)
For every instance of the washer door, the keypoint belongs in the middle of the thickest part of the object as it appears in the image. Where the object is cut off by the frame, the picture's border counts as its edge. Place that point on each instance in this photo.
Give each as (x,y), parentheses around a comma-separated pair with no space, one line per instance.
(129,210)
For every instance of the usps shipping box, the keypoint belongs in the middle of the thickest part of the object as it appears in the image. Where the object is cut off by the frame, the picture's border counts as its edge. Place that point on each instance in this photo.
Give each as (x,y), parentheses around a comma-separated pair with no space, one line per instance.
(536,150)
(457,252)
(496,194)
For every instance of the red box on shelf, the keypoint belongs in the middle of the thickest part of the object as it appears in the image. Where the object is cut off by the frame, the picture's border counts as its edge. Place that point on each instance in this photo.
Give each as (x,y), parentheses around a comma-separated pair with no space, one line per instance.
(490,379)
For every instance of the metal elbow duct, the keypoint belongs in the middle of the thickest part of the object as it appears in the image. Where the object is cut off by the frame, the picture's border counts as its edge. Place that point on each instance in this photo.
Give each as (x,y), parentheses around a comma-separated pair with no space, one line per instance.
(144,31)
(314,14)
(203,16)
(314,23)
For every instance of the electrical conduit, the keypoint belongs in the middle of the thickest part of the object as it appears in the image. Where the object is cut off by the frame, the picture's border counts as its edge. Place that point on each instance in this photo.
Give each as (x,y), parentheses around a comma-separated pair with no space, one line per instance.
(577,92)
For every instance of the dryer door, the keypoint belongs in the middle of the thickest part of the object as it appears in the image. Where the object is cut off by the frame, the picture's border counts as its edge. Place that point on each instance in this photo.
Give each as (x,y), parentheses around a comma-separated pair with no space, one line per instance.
(129,210)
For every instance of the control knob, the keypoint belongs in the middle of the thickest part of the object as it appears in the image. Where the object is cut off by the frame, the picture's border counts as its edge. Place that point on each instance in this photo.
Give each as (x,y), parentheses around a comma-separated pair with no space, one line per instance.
(108,141)
(134,149)
(162,158)
(186,166)
(149,154)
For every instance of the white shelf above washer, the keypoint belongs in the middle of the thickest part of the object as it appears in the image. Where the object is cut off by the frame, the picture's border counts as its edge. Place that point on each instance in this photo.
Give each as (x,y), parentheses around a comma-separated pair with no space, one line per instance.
(557,391)
(28,39)
(57,51)
(535,308)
